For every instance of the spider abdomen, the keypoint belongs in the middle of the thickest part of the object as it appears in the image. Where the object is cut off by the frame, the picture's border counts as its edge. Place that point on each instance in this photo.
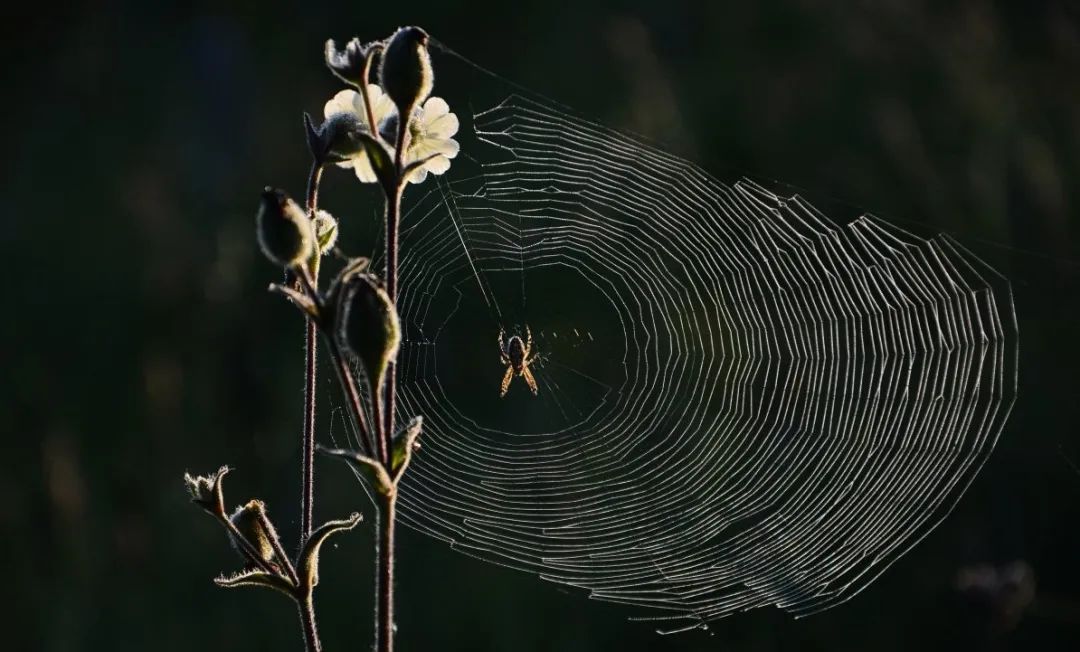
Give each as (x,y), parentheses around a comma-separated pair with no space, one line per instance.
(515,350)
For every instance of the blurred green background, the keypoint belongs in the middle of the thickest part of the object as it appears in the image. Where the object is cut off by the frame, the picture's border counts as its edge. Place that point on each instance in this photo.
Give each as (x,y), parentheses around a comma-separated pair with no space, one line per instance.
(140,342)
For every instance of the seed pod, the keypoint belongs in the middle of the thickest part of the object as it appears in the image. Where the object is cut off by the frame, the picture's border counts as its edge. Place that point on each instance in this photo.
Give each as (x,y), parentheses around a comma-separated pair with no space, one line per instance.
(251,521)
(368,326)
(283,230)
(206,491)
(405,71)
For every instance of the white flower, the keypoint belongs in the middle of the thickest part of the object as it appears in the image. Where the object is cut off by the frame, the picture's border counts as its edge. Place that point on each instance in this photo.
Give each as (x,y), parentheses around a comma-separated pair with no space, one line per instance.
(430,135)
(350,101)
(431,138)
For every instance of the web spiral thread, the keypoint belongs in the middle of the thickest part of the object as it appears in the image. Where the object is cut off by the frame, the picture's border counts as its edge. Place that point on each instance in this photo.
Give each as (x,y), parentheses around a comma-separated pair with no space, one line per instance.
(741,403)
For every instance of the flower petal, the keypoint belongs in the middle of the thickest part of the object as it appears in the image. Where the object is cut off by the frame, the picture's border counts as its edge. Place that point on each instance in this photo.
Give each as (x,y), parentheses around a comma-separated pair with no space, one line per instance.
(364,172)
(434,108)
(418,176)
(449,148)
(445,147)
(382,107)
(343,102)
(375,93)
(443,126)
(437,165)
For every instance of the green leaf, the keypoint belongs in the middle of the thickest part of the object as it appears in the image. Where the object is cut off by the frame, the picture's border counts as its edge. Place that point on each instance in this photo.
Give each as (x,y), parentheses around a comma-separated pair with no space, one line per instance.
(256,578)
(403,445)
(298,299)
(370,469)
(382,159)
(416,165)
(309,556)
(352,267)
(313,141)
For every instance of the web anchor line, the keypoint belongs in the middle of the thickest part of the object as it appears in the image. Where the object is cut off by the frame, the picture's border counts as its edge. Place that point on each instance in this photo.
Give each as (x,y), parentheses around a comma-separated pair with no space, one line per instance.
(489,297)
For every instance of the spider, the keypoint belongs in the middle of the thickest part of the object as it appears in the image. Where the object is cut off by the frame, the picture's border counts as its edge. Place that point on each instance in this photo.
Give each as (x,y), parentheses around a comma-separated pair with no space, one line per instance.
(517,356)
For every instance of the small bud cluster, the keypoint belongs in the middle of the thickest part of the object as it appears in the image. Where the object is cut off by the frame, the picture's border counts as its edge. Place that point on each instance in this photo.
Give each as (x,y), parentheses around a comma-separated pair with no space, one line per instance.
(256,540)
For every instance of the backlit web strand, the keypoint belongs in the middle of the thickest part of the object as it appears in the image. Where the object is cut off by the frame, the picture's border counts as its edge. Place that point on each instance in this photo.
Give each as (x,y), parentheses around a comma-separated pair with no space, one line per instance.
(741,403)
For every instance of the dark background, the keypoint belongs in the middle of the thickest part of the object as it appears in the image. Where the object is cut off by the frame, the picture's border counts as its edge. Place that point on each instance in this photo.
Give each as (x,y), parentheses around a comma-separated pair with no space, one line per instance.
(139,342)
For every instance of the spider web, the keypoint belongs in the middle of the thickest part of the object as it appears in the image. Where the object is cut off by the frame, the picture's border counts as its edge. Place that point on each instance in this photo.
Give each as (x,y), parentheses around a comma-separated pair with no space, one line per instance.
(741,403)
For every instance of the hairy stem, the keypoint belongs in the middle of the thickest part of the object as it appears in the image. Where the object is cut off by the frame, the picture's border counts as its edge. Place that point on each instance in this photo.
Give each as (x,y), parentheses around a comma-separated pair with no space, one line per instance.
(384,574)
(380,430)
(307,498)
(311,334)
(393,222)
(307,620)
(373,128)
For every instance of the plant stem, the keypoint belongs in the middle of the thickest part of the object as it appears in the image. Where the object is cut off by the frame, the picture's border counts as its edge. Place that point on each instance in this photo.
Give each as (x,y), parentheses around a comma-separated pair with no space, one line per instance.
(384,574)
(307,621)
(393,222)
(384,553)
(307,499)
(380,428)
(307,492)
(373,128)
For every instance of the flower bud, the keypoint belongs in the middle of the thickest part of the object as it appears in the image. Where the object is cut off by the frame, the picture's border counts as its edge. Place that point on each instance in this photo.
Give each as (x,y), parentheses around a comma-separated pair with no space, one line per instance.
(339,138)
(368,326)
(348,62)
(405,71)
(326,231)
(284,231)
(206,492)
(251,521)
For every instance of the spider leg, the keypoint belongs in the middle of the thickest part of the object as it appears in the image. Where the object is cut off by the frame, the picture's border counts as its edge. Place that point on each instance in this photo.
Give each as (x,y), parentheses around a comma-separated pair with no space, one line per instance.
(507,377)
(505,359)
(527,375)
(528,340)
(531,358)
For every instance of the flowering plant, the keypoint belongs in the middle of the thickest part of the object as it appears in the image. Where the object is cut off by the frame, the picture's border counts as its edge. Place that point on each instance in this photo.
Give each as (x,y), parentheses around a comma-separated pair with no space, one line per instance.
(355,314)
